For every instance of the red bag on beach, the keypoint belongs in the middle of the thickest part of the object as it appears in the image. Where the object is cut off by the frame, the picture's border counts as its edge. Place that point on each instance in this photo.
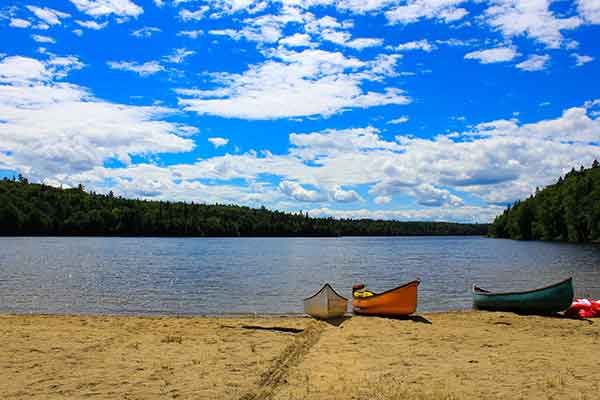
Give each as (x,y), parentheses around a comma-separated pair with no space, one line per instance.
(584,308)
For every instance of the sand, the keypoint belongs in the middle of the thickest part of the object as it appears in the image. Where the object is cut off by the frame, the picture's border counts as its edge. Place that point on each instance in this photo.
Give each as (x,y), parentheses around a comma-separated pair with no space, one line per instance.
(456,355)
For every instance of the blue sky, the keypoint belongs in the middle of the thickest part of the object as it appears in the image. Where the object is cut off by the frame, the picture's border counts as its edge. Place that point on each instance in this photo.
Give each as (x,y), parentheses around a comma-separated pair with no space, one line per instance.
(412,110)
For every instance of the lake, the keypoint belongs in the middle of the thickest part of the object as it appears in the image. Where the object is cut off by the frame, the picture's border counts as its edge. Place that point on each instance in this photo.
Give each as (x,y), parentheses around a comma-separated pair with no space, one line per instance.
(206,276)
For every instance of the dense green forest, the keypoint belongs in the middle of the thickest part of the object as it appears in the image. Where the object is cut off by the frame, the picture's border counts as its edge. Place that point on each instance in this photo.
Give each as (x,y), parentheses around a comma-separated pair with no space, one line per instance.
(569,210)
(36,209)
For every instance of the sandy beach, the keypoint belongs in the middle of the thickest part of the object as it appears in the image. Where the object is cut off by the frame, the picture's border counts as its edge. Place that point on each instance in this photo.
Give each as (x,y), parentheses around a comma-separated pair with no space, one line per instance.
(454,355)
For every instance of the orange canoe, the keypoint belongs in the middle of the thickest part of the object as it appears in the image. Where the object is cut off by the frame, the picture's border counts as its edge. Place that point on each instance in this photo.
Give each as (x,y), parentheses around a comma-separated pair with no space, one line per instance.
(395,302)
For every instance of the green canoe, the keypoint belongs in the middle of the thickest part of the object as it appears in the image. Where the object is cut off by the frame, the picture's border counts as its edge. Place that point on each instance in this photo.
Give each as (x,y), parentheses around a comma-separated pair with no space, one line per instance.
(547,300)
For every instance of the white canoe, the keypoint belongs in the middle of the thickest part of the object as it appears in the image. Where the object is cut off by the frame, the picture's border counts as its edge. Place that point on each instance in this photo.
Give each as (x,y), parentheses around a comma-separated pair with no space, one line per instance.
(326,304)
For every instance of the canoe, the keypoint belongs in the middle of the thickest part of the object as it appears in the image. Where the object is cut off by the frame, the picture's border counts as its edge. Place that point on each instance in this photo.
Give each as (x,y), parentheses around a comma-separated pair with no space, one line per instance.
(399,301)
(326,304)
(548,300)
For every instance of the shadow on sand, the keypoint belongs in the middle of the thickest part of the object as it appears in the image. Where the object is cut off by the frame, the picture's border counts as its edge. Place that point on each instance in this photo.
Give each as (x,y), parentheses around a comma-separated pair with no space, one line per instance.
(282,329)
(338,321)
(557,316)
(413,318)
(544,315)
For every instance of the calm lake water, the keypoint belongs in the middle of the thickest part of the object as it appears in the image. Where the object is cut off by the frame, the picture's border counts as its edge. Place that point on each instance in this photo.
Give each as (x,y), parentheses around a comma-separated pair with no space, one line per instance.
(199,276)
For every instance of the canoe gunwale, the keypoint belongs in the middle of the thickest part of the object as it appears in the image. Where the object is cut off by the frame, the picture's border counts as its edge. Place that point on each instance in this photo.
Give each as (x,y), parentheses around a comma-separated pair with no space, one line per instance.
(323,288)
(415,282)
(482,292)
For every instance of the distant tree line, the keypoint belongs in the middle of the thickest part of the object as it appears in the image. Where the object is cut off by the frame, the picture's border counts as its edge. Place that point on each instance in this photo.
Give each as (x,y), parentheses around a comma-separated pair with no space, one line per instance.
(569,211)
(37,209)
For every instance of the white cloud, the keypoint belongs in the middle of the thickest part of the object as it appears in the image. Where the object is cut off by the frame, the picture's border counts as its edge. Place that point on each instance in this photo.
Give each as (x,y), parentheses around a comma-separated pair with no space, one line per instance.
(41,26)
(448,213)
(21,70)
(100,8)
(531,18)
(295,84)
(48,15)
(363,6)
(145,69)
(191,34)
(43,39)
(589,10)
(535,62)
(53,129)
(197,15)
(416,45)
(78,32)
(343,38)
(261,34)
(496,162)
(498,54)
(400,120)
(19,23)
(179,55)
(218,141)
(60,66)
(310,146)
(299,193)
(92,24)
(581,60)
(382,200)
(340,195)
(145,32)
(415,10)
(297,40)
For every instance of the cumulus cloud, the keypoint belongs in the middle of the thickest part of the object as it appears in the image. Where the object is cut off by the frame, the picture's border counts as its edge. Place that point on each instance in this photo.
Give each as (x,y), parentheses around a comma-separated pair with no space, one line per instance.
(48,15)
(397,121)
(299,193)
(340,195)
(218,141)
(194,34)
(488,56)
(188,15)
(474,214)
(145,32)
(415,10)
(497,162)
(531,18)
(52,129)
(423,45)
(589,10)
(535,62)
(92,25)
(179,55)
(43,39)
(142,69)
(344,38)
(19,23)
(581,60)
(295,84)
(382,200)
(101,8)
(297,40)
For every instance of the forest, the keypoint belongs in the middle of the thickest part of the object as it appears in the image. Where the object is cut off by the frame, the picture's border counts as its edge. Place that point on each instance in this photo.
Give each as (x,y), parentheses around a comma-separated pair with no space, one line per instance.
(37,209)
(568,210)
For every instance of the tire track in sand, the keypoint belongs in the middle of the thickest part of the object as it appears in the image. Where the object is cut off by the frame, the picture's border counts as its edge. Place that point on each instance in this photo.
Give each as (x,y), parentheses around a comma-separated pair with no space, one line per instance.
(292,355)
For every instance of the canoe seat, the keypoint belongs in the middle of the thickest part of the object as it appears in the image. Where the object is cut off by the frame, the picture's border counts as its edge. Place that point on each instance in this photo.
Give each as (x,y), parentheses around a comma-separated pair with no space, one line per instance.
(363,293)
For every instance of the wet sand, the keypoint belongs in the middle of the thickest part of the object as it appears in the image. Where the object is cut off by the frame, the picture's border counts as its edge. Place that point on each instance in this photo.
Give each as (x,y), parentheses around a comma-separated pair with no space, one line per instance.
(456,355)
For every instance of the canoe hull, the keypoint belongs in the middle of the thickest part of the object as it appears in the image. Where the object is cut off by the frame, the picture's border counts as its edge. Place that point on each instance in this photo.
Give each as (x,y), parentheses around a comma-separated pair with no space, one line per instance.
(547,300)
(326,304)
(400,301)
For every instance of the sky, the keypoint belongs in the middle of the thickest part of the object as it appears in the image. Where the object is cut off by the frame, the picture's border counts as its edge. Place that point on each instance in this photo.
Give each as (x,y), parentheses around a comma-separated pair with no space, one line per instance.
(396,109)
